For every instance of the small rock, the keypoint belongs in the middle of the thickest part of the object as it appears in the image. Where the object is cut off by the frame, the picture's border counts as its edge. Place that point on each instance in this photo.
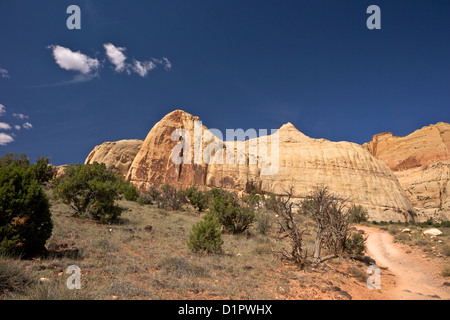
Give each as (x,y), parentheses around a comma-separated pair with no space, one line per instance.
(239,255)
(408,251)
(335,289)
(406,230)
(345,294)
(44,280)
(60,274)
(52,247)
(115,297)
(432,232)
(148,228)
(361,231)
(446,284)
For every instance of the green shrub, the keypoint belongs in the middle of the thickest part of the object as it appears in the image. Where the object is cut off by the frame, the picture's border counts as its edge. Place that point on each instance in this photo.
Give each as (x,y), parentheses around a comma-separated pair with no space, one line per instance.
(234,218)
(130,193)
(358,214)
(199,199)
(11,159)
(252,200)
(90,190)
(42,170)
(205,236)
(25,218)
(355,244)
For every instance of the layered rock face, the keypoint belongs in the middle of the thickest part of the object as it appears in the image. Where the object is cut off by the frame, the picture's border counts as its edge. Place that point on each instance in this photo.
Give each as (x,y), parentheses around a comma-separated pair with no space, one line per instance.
(421,162)
(115,155)
(302,162)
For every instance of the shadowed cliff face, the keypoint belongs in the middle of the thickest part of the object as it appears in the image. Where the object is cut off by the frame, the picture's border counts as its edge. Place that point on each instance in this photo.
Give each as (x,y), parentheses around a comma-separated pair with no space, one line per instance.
(421,162)
(300,161)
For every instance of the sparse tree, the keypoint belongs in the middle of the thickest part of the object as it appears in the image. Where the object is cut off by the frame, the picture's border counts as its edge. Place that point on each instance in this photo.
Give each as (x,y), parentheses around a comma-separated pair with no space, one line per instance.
(171,198)
(289,228)
(332,219)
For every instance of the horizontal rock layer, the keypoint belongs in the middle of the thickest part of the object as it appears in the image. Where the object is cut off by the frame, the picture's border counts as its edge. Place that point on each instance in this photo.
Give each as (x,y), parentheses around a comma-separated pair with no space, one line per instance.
(421,162)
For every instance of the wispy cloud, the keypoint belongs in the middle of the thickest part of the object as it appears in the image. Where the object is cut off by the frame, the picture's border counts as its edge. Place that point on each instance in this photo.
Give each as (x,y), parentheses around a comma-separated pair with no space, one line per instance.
(5,139)
(20,116)
(4,73)
(143,68)
(2,110)
(75,61)
(164,62)
(88,67)
(4,126)
(116,55)
(17,127)
(27,125)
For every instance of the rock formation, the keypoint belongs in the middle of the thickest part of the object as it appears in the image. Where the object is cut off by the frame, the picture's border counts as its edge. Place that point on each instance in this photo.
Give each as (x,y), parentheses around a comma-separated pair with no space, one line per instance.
(115,155)
(346,168)
(421,162)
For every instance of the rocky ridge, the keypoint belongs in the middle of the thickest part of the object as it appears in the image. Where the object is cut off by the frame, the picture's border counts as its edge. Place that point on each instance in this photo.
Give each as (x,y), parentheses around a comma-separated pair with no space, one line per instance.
(304,163)
(421,163)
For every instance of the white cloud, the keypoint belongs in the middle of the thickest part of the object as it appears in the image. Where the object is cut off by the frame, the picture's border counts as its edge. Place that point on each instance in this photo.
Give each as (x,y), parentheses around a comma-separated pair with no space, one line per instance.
(143,68)
(17,127)
(2,110)
(5,139)
(75,61)
(165,62)
(117,57)
(88,67)
(4,126)
(4,73)
(27,125)
(20,116)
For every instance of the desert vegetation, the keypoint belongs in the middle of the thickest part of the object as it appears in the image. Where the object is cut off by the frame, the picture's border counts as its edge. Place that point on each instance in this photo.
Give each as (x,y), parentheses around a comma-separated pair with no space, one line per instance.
(25,218)
(167,243)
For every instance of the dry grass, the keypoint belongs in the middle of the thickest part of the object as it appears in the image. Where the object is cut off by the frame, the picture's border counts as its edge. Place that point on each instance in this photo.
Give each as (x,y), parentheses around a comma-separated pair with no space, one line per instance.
(127,261)
(438,246)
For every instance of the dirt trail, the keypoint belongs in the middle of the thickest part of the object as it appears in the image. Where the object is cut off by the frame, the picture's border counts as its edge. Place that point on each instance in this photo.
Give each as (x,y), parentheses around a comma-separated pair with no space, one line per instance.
(416,277)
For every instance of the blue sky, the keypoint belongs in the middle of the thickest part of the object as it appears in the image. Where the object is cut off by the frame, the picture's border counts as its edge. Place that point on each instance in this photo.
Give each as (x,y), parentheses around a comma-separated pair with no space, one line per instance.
(236,64)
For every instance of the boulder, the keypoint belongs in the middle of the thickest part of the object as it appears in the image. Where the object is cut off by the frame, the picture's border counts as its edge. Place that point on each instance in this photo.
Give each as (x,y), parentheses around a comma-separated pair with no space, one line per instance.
(432,232)
(115,155)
